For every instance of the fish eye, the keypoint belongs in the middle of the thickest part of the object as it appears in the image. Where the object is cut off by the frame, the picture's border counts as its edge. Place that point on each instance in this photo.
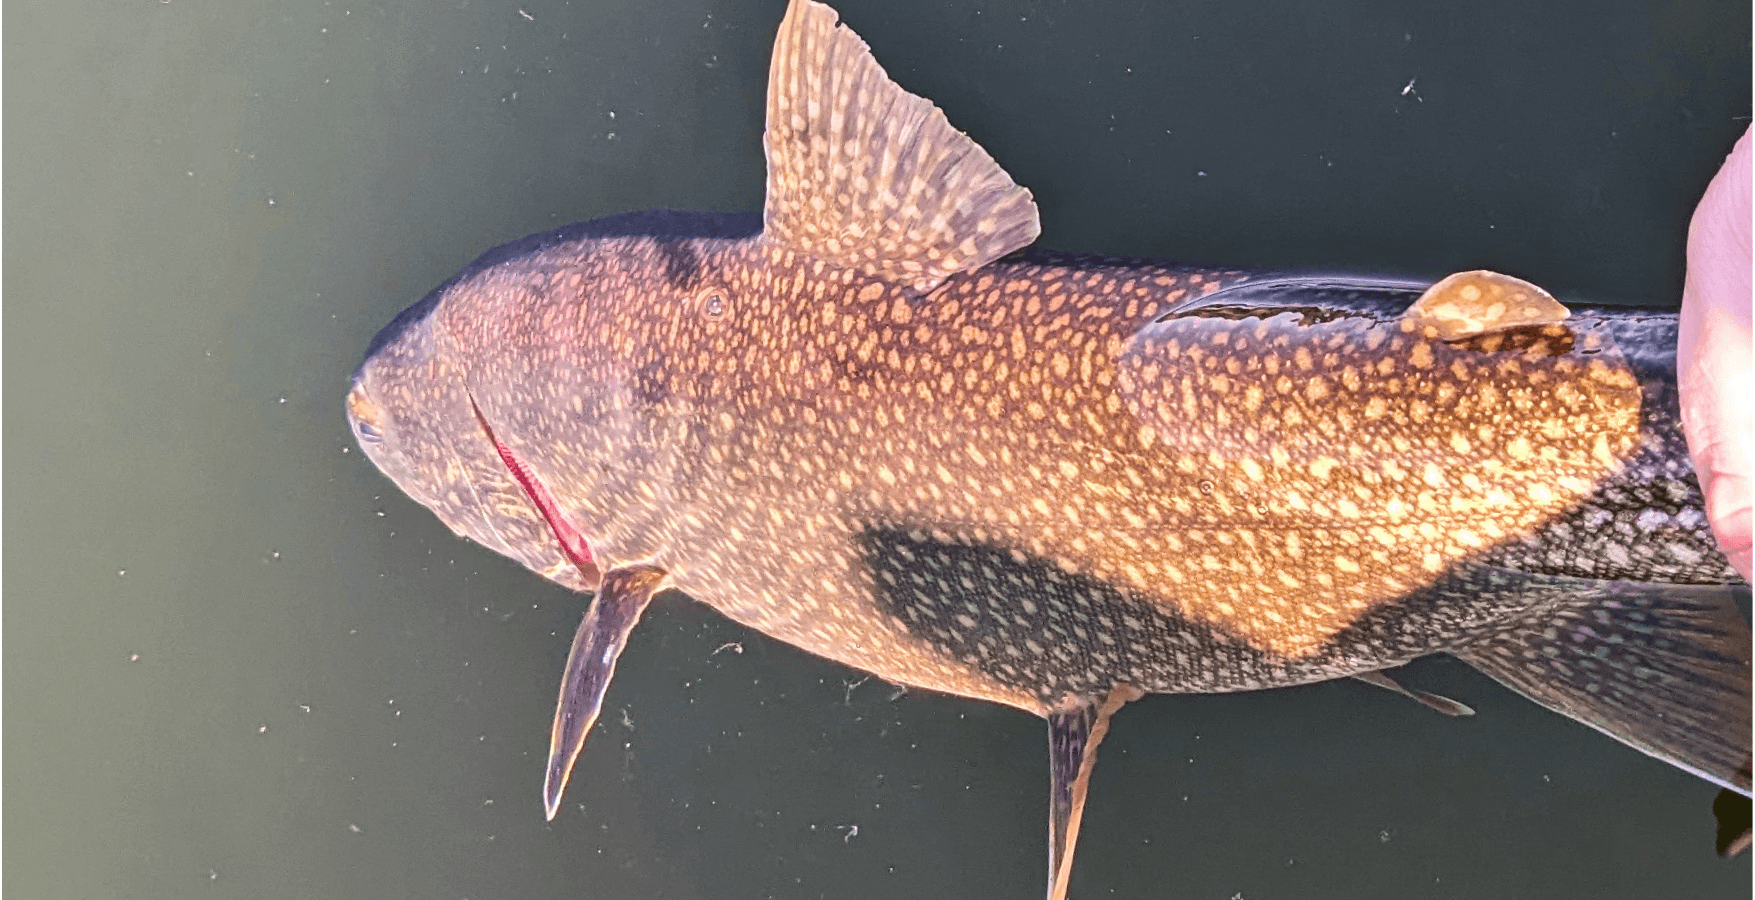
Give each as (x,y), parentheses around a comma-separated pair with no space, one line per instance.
(369,432)
(715,304)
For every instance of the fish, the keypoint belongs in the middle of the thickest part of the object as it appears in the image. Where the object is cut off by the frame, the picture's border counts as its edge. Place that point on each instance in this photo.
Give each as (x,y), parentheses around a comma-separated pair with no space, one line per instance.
(875,422)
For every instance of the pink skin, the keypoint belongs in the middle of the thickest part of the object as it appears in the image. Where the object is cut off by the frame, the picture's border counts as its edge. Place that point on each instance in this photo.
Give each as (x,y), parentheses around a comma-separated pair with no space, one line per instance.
(1714,350)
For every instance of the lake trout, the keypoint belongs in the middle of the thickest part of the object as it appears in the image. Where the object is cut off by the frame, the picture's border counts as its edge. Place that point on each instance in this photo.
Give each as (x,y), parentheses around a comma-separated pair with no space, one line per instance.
(873,422)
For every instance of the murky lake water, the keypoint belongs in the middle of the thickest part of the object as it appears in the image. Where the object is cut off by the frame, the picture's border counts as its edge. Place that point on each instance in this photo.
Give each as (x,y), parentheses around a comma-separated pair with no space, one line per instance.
(238,663)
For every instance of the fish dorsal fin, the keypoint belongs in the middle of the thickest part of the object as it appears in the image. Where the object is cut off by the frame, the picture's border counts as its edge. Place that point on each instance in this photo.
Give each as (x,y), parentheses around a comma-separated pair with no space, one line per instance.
(866,175)
(1480,302)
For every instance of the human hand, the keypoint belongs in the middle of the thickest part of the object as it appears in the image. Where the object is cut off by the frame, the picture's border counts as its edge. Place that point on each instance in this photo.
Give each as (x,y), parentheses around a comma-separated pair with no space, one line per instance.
(1713,364)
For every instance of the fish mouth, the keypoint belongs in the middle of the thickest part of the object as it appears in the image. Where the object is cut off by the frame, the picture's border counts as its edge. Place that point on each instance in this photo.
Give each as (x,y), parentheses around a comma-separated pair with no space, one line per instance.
(364,415)
(572,541)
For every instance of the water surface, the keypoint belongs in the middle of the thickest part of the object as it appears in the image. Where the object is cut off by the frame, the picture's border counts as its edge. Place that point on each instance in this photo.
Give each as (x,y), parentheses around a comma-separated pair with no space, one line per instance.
(238,663)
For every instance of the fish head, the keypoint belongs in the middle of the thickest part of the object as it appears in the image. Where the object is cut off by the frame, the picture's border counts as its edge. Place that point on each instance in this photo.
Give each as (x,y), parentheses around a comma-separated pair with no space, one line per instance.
(542,401)
(411,411)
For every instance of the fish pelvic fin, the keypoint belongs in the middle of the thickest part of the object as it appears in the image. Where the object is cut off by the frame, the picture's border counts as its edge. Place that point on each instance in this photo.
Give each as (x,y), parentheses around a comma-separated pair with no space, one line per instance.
(1434,702)
(1661,668)
(865,175)
(1075,728)
(621,599)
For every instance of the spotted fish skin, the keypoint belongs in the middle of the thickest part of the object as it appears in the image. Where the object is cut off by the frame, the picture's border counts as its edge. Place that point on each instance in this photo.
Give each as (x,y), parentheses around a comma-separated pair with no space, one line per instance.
(1059,473)
(871,422)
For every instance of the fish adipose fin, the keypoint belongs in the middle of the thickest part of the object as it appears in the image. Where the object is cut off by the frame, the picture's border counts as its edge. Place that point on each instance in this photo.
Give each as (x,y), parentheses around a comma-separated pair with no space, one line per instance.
(1431,701)
(1074,731)
(1467,304)
(1662,668)
(621,599)
(865,175)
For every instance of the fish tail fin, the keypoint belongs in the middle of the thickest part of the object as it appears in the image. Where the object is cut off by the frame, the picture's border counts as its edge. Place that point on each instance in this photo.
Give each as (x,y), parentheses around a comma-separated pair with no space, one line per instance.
(1661,668)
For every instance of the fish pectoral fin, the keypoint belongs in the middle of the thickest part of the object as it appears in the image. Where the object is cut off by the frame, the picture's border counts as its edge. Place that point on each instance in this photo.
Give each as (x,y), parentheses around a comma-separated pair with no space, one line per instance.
(1467,304)
(865,175)
(621,598)
(1431,701)
(1074,731)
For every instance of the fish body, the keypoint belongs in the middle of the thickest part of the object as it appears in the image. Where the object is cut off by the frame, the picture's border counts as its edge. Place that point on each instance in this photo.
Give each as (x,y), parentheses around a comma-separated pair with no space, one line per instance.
(874,424)
(1144,470)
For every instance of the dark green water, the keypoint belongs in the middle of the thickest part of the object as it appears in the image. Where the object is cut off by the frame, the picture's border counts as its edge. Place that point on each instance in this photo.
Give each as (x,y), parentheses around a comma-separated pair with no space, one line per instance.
(239,664)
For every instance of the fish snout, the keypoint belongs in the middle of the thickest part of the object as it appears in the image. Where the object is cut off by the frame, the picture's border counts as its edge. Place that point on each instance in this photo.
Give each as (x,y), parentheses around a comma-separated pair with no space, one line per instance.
(397,364)
(364,416)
